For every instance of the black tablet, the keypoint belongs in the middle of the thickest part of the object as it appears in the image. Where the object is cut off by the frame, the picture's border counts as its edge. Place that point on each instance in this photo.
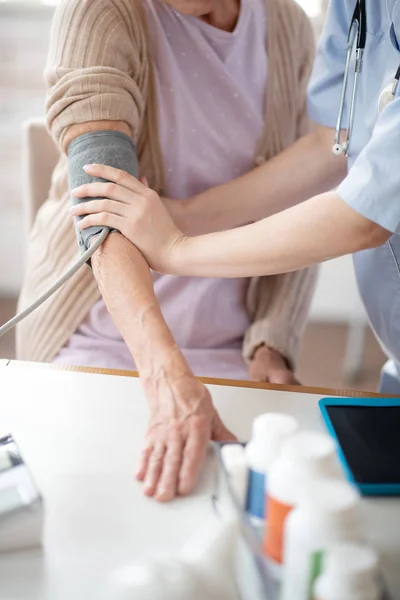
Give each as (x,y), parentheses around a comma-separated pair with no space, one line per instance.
(367,431)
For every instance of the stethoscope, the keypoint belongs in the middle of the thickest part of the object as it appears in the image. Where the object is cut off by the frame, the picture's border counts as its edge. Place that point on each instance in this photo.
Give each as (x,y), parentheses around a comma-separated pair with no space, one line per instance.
(358,34)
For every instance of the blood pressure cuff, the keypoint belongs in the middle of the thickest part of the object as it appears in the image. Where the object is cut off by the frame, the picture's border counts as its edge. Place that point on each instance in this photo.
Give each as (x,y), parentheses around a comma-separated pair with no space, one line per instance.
(110,148)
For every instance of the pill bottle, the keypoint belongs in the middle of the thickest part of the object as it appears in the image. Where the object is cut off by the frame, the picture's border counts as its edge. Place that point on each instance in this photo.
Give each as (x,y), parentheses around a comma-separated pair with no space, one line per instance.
(305,456)
(269,432)
(350,572)
(327,512)
(234,461)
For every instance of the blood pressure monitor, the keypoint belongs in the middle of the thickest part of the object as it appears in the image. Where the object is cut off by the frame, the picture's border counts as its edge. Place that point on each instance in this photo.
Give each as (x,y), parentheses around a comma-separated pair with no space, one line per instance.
(21,506)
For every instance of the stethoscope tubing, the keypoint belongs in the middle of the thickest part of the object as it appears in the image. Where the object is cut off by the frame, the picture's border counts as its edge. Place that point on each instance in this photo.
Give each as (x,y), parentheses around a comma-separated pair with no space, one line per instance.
(357,36)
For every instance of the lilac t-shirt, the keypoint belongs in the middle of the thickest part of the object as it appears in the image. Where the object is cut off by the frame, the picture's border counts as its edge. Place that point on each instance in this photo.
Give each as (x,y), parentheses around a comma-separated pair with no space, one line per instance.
(211,87)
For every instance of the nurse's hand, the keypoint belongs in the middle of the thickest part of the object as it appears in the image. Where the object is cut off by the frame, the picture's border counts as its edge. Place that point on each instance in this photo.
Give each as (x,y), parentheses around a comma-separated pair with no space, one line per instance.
(269,366)
(181,425)
(132,208)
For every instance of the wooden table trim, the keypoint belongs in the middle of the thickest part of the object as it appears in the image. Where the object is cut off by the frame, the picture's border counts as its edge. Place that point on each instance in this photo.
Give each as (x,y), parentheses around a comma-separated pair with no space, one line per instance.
(304,389)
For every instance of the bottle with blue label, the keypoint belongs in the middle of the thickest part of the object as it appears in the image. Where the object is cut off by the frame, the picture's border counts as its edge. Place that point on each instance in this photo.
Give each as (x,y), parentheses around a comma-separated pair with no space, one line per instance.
(269,432)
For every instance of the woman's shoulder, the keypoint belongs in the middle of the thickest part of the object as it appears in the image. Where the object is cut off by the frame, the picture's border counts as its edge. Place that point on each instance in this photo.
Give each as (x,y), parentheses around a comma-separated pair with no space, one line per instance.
(292,13)
(128,12)
(295,30)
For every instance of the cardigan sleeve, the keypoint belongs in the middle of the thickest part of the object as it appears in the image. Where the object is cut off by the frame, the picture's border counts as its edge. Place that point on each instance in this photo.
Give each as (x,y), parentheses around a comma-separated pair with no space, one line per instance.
(279,304)
(307,43)
(95,65)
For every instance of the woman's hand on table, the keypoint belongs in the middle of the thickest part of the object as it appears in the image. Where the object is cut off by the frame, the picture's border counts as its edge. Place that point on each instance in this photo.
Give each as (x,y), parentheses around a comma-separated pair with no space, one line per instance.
(182,422)
(269,366)
(132,208)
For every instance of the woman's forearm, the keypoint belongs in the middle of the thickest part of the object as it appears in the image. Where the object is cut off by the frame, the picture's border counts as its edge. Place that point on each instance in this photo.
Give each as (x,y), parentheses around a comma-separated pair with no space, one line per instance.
(126,285)
(305,169)
(280,243)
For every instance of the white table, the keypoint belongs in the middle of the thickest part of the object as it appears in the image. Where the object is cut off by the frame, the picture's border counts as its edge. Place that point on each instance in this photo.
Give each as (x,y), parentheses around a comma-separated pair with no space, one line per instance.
(81,434)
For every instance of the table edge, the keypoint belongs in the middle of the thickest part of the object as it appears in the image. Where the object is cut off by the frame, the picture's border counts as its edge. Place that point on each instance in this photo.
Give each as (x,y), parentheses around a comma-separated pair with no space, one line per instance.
(320,391)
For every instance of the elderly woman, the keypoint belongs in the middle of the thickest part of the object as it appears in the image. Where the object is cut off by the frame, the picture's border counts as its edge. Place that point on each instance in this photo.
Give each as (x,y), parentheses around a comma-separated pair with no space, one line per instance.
(206,90)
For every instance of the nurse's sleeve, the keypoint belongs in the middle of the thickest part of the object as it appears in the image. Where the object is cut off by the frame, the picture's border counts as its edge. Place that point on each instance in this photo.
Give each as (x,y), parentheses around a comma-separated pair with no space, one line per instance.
(327,77)
(372,187)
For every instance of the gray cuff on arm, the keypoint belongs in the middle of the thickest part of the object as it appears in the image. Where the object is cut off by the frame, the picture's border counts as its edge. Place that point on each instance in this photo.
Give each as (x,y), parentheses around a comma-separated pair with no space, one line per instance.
(110,148)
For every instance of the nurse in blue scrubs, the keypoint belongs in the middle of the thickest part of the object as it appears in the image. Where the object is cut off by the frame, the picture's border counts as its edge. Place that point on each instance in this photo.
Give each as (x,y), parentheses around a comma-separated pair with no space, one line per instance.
(373,184)
(354,150)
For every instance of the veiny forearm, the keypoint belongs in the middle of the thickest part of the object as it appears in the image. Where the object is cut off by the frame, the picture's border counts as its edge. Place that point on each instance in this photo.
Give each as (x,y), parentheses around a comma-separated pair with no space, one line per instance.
(319,229)
(126,285)
(303,170)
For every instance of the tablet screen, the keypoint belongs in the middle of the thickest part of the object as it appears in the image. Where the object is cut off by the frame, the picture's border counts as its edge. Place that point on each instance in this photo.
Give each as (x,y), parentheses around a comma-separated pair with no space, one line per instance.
(370,440)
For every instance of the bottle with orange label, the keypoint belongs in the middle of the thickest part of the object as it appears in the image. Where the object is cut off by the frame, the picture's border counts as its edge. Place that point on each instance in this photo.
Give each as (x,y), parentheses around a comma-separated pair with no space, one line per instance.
(270,431)
(305,456)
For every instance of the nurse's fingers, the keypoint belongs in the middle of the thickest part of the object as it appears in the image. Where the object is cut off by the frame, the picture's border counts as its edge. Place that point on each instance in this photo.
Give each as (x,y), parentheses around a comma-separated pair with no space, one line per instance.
(98,206)
(117,176)
(154,468)
(103,190)
(168,483)
(193,457)
(103,220)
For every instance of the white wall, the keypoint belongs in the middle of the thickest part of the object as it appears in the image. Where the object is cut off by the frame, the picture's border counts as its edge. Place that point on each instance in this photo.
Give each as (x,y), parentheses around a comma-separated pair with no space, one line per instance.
(337,298)
(24,32)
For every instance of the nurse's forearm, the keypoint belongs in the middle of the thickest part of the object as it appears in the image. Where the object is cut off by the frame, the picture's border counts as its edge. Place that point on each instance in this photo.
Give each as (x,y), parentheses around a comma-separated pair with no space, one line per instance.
(319,229)
(305,169)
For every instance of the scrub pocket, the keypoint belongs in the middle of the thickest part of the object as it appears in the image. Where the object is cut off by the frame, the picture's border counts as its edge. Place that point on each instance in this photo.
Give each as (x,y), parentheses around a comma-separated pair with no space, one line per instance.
(378,278)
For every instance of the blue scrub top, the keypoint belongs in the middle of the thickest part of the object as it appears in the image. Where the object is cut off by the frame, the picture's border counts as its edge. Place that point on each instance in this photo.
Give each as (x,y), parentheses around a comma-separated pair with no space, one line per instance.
(372,186)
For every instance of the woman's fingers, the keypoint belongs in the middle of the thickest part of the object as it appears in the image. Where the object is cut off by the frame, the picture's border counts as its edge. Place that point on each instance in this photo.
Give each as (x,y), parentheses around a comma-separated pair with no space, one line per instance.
(154,468)
(98,206)
(193,457)
(144,463)
(103,190)
(115,175)
(103,220)
(168,483)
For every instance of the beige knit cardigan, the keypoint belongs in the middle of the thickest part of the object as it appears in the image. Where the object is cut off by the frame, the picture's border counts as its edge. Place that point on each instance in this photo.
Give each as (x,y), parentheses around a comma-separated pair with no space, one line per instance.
(100,68)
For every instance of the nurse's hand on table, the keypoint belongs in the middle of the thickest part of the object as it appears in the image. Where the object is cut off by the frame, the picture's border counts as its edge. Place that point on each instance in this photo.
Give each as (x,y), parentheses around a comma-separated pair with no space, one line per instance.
(269,366)
(132,208)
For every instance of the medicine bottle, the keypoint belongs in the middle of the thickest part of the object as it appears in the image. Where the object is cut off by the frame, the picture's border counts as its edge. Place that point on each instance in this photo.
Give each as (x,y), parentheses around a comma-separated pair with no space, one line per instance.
(351,572)
(234,461)
(327,513)
(269,432)
(305,456)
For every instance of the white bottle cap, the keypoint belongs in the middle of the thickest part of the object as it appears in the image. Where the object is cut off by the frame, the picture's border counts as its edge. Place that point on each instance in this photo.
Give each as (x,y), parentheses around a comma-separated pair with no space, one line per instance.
(270,431)
(353,570)
(273,425)
(313,452)
(232,455)
(352,563)
(335,501)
